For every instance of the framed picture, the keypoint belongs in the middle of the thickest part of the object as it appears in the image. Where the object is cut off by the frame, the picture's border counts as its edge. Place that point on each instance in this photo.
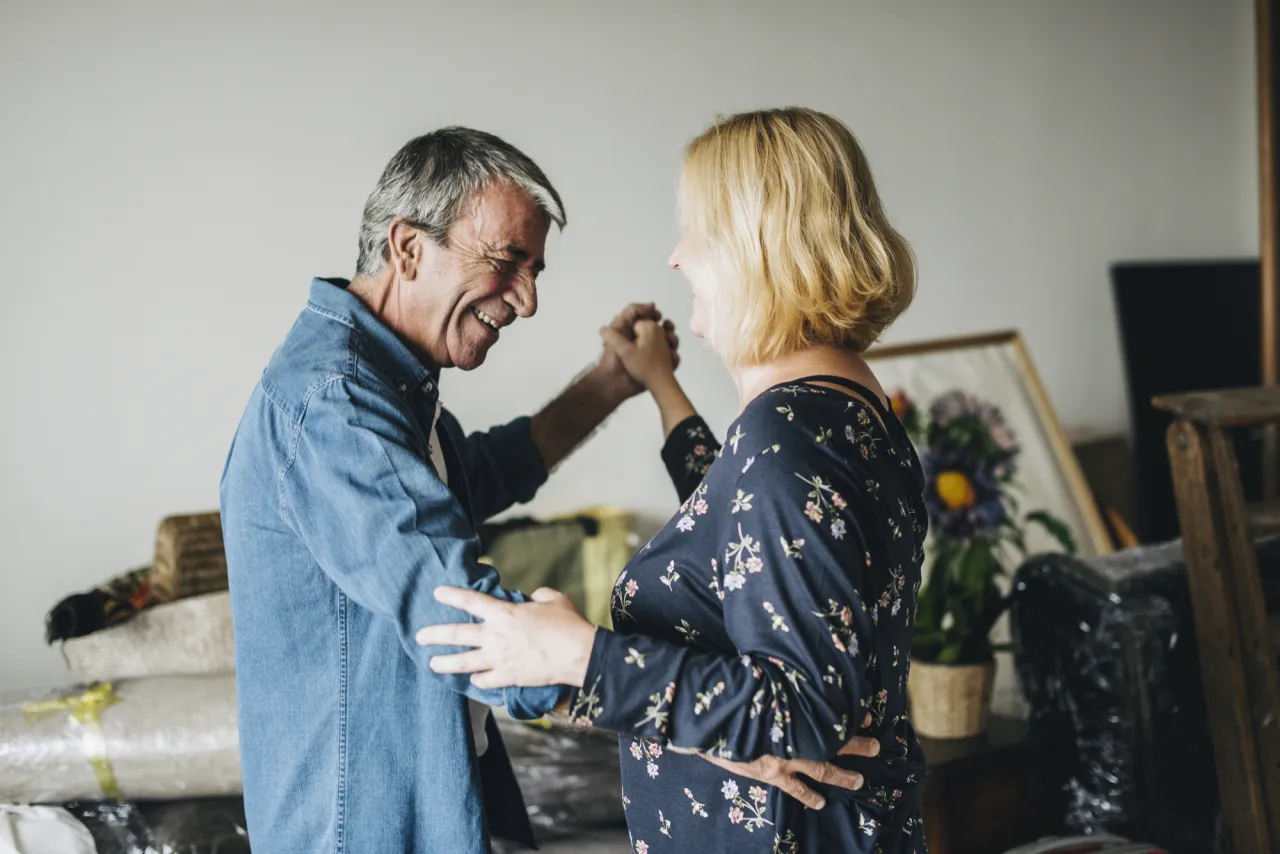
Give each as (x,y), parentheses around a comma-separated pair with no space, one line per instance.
(993,374)
(996,370)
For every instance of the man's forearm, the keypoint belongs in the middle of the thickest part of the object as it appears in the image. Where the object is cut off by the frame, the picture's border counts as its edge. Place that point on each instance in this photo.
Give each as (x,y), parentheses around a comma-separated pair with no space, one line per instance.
(567,421)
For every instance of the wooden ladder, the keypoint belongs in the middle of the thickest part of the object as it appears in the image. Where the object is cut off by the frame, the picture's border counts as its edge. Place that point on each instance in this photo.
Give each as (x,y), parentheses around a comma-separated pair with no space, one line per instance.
(1237,661)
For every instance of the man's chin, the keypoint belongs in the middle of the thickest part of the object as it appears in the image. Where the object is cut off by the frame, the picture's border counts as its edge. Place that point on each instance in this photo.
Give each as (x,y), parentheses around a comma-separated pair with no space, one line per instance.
(471,360)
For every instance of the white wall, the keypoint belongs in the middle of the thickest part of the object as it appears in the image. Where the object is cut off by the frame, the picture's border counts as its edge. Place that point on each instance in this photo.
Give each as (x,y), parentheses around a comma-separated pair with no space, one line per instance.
(171,175)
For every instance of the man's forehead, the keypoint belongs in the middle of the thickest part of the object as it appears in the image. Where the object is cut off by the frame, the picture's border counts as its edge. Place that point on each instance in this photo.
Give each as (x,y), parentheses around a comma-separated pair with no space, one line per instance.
(504,220)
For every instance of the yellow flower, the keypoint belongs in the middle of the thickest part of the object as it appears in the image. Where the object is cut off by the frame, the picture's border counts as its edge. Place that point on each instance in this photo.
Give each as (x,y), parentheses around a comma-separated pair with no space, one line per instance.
(955,490)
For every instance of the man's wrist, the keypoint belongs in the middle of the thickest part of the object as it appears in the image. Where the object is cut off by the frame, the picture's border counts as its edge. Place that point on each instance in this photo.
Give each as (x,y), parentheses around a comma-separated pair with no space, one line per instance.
(609,389)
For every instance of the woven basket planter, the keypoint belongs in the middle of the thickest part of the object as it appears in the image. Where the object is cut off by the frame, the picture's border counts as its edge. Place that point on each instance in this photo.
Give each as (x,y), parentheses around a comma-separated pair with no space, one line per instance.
(950,700)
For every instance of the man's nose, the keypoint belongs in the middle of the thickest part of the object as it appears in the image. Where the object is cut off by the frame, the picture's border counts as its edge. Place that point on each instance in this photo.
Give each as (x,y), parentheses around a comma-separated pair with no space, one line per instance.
(523,297)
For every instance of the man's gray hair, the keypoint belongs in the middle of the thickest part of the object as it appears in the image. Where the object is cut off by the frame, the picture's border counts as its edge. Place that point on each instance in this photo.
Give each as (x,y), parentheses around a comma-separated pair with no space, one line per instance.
(430,179)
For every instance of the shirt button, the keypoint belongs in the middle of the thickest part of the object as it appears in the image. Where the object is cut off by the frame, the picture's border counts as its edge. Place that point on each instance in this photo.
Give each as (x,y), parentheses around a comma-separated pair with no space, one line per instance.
(403,387)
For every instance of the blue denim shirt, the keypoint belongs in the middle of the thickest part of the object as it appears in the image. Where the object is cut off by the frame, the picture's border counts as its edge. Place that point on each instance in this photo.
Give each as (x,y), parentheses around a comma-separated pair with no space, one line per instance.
(337,531)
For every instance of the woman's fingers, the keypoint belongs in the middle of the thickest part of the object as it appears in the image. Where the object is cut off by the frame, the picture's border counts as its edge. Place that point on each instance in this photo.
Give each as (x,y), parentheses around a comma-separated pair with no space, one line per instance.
(451,634)
(615,340)
(793,786)
(826,773)
(547,595)
(861,746)
(462,662)
(491,679)
(476,604)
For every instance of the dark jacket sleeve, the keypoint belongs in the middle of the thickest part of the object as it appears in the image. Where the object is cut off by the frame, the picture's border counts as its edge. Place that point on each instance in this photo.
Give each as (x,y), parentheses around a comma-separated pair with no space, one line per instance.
(504,467)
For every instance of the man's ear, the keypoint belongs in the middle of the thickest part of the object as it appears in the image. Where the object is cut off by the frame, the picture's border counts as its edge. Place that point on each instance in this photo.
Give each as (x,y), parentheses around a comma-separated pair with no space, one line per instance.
(404,243)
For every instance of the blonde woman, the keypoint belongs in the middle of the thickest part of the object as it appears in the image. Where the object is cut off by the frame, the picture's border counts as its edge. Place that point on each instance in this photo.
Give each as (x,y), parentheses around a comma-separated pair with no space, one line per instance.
(772,616)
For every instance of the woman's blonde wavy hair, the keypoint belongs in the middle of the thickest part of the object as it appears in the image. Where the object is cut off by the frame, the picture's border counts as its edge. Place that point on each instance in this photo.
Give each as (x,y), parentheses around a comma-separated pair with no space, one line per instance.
(801,251)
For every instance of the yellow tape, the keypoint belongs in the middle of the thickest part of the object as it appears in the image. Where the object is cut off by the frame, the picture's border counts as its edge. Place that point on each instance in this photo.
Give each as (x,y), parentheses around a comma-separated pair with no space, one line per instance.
(86,709)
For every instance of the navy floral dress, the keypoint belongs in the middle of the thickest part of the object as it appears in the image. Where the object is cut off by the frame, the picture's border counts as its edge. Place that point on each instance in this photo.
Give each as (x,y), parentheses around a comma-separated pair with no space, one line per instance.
(770,616)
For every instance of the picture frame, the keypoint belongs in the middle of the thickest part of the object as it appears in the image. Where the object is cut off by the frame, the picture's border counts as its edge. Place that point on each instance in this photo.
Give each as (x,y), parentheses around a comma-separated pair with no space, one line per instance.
(996,367)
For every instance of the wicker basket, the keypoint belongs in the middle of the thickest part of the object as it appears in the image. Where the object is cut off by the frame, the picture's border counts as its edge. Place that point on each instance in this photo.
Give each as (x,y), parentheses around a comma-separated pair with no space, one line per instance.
(950,700)
(190,560)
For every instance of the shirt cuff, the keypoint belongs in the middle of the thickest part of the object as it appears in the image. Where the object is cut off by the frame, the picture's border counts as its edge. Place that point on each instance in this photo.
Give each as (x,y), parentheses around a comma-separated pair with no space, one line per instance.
(529,704)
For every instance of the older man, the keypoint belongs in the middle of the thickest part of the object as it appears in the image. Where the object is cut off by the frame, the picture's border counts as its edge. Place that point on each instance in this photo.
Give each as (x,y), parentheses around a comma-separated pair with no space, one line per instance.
(350,495)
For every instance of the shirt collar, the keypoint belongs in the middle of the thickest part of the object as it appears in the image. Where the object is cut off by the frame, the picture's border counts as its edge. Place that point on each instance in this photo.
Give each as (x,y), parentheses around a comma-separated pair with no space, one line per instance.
(330,297)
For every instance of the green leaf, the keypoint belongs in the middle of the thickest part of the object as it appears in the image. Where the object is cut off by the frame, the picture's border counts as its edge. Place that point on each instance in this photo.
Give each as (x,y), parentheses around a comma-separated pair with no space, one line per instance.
(950,654)
(992,608)
(1054,528)
(932,600)
(980,567)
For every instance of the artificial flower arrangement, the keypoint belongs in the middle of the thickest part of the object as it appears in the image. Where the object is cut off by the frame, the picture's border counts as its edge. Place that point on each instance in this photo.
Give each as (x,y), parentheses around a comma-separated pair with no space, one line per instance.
(970,457)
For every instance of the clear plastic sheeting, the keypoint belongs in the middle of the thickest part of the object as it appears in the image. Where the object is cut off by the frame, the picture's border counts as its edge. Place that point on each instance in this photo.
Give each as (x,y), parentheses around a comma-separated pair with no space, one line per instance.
(42,830)
(149,739)
(187,637)
(1105,649)
(206,826)
(571,780)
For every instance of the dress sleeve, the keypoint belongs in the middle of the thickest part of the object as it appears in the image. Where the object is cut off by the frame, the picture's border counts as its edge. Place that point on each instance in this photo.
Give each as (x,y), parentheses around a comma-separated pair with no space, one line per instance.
(688,452)
(792,557)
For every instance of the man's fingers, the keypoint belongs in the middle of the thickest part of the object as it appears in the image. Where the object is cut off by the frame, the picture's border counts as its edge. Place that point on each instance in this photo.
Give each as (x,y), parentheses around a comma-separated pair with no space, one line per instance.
(636,311)
(463,662)
(825,772)
(866,722)
(861,746)
(475,603)
(451,634)
(792,785)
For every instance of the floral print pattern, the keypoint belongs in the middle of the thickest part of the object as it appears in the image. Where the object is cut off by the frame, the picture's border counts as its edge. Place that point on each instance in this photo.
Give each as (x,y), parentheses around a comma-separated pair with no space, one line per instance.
(768,617)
